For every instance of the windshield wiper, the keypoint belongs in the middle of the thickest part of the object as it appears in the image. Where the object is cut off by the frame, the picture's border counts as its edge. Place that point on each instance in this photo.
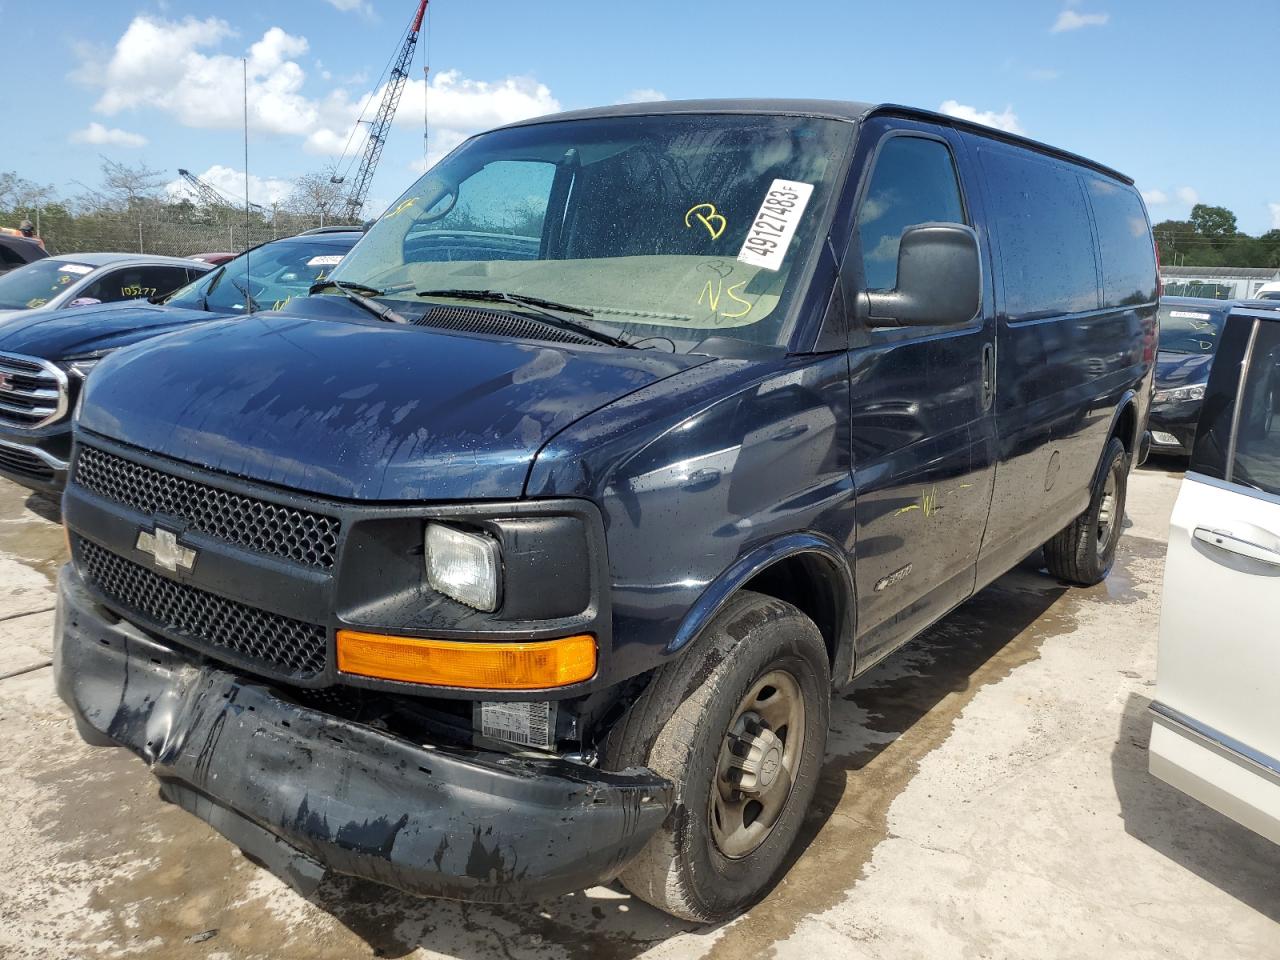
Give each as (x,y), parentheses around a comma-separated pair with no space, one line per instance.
(355,293)
(541,308)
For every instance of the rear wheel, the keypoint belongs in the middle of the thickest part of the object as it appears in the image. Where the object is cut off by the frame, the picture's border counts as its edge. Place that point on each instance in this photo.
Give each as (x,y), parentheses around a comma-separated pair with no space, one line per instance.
(738,725)
(1084,552)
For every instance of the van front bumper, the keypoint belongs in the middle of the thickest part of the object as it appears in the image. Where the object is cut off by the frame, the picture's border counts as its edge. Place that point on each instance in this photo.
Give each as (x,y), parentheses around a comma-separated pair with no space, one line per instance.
(307,793)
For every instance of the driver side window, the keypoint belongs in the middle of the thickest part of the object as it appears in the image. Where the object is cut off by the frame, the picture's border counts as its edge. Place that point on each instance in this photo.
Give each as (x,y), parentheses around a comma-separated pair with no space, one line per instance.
(914,182)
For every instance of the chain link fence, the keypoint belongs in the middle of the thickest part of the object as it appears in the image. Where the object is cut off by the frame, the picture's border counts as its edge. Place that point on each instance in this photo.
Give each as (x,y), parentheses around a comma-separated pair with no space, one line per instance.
(169,238)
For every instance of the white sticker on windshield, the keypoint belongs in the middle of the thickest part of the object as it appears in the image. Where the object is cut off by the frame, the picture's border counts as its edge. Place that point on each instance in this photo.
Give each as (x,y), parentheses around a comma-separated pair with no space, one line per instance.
(1188,315)
(775,225)
(79,269)
(325,261)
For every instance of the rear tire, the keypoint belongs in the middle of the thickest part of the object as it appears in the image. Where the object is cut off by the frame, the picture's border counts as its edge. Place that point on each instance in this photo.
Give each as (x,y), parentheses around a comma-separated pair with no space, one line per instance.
(738,724)
(1084,552)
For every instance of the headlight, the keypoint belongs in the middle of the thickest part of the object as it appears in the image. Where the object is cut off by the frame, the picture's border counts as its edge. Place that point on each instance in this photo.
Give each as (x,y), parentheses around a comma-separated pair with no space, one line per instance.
(464,566)
(1194,392)
(80,366)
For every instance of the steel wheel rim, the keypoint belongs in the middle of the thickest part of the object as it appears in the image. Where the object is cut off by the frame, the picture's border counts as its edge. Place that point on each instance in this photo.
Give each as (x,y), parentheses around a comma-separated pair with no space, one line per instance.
(756,769)
(1107,518)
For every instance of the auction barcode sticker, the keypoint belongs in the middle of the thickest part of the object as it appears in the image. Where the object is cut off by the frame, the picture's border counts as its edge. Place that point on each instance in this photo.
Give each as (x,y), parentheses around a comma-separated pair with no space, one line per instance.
(775,225)
(528,724)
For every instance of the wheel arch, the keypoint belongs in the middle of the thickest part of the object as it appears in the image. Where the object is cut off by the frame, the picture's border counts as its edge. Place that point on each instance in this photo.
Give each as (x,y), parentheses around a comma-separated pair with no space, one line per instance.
(806,570)
(1124,424)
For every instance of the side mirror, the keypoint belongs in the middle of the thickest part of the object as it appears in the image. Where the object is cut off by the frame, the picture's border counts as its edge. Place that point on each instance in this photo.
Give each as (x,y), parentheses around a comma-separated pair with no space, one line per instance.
(939,280)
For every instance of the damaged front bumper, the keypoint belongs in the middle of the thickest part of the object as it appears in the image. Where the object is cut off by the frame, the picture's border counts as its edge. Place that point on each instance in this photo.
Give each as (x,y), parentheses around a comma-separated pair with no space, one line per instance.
(307,792)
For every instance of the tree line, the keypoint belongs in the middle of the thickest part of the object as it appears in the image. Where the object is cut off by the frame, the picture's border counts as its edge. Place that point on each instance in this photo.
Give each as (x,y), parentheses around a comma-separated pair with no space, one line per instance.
(1210,238)
(130,201)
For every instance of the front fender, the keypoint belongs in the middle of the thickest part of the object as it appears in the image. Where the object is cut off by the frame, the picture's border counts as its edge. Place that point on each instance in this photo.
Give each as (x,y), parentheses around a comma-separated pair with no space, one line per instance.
(839,580)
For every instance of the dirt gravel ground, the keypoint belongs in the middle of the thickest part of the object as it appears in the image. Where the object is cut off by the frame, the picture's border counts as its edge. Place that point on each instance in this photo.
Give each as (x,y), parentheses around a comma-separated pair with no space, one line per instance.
(985,795)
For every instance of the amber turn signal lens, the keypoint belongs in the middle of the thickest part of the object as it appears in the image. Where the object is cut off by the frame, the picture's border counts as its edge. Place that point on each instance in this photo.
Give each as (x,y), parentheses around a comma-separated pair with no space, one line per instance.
(471,664)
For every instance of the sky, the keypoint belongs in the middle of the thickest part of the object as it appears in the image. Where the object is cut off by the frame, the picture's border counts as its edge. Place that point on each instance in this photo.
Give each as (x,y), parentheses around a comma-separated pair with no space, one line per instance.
(1164,92)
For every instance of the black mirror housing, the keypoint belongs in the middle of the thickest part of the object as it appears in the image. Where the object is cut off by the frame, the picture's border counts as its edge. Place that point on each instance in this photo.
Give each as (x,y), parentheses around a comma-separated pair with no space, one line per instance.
(939,280)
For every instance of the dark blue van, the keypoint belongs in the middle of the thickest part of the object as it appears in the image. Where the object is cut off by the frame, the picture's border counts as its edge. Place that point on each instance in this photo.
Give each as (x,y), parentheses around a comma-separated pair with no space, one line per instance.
(527,552)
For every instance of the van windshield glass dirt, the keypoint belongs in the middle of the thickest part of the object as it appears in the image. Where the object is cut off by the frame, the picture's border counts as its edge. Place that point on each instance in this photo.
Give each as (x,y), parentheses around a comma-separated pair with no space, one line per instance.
(672,227)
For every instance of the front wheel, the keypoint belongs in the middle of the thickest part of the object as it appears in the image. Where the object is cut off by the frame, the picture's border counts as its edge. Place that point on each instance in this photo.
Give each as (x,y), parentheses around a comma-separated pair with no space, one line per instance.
(1083,553)
(739,726)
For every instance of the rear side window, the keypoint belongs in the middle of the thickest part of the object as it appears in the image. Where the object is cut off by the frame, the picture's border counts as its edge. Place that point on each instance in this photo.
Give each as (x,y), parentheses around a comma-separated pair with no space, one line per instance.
(133,283)
(1257,439)
(914,182)
(1124,239)
(1046,241)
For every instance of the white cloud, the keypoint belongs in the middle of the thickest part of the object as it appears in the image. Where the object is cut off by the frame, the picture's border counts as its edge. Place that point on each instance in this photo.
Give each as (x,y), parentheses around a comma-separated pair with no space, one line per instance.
(98,135)
(177,69)
(458,107)
(1044,74)
(1187,195)
(1006,120)
(644,95)
(1070,20)
(230,183)
(1155,197)
(158,64)
(1275,215)
(348,5)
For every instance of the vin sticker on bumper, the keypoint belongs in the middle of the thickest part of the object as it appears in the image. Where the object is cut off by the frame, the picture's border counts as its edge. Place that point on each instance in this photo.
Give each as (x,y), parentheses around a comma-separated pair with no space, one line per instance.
(775,225)
(528,724)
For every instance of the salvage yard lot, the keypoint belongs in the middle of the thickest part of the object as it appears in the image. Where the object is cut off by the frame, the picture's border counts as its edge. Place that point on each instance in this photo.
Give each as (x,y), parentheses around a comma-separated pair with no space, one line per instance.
(985,794)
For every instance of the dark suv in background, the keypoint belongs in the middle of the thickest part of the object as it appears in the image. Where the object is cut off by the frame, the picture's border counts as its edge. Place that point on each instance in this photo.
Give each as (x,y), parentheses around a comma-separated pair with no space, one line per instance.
(529,554)
(1189,330)
(45,356)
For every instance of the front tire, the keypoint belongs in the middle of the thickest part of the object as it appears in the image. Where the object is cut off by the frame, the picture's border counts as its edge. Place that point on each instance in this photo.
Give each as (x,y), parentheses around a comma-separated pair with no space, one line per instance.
(739,726)
(1084,552)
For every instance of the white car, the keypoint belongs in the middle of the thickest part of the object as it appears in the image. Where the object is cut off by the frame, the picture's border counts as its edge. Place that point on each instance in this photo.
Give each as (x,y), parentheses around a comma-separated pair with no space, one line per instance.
(1216,730)
(81,279)
(1268,291)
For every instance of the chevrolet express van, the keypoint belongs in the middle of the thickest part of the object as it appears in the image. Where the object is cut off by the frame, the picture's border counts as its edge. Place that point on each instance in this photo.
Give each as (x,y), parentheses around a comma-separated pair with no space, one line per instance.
(526,553)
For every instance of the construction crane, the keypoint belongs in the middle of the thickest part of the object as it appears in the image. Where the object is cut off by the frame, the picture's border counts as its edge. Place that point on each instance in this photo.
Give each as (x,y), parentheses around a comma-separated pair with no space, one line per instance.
(207,195)
(380,126)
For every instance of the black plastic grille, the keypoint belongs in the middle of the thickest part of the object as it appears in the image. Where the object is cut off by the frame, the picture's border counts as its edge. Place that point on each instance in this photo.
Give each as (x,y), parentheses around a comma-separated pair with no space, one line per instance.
(204,620)
(25,464)
(497,324)
(298,535)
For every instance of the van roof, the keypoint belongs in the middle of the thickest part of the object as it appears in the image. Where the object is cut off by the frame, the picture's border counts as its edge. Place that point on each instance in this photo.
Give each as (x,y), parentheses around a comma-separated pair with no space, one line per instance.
(850,111)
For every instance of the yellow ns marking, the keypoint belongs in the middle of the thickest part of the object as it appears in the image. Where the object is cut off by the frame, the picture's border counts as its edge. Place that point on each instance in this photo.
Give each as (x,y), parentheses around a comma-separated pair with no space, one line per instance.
(707,215)
(712,292)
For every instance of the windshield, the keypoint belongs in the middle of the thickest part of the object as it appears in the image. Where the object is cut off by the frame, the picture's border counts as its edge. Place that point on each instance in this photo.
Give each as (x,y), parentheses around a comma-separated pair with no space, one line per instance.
(37,283)
(1268,295)
(670,227)
(1188,330)
(272,275)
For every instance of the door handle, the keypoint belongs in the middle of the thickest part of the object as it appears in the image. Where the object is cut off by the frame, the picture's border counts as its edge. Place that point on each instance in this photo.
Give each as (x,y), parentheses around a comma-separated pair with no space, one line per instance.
(1224,540)
(988,375)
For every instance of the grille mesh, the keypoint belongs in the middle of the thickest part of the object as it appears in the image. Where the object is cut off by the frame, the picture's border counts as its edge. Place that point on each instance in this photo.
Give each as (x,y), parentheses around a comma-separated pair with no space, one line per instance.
(298,535)
(25,464)
(498,324)
(207,621)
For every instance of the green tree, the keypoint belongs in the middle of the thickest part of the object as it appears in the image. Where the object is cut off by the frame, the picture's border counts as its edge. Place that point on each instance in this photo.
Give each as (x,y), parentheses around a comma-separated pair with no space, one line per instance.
(1213,222)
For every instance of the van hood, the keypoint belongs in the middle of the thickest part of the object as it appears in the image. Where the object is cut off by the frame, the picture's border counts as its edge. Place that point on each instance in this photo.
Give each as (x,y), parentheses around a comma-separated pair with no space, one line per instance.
(74,331)
(358,410)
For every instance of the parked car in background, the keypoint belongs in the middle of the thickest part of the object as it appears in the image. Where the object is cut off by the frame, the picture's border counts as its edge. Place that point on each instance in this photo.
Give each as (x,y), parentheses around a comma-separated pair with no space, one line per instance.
(44,358)
(18,252)
(1268,291)
(1216,731)
(82,279)
(213,259)
(528,551)
(1189,328)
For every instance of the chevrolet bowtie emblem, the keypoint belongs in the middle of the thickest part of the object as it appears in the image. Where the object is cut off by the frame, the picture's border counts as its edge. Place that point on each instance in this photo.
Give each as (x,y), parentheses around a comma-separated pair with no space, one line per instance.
(164,547)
